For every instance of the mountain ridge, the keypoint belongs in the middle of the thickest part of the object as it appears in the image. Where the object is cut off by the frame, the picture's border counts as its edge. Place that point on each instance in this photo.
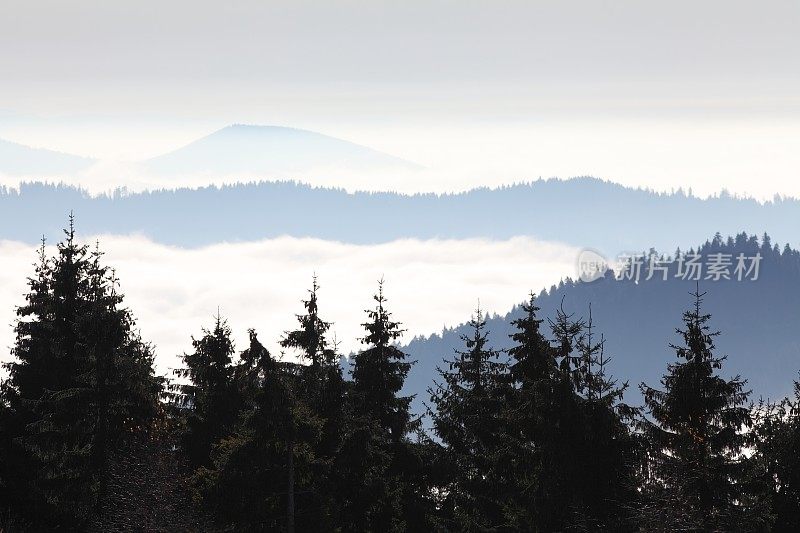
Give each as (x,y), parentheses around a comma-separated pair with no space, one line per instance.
(270,150)
(18,159)
(585,212)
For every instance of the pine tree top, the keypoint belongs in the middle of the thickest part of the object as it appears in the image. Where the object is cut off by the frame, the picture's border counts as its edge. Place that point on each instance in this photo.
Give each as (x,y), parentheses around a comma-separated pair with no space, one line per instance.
(381,329)
(310,336)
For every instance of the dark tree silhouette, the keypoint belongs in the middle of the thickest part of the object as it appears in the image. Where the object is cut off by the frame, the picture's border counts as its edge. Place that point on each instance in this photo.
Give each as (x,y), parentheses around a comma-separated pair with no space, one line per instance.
(541,442)
(778,455)
(380,466)
(695,431)
(321,384)
(605,491)
(259,469)
(210,400)
(468,420)
(81,386)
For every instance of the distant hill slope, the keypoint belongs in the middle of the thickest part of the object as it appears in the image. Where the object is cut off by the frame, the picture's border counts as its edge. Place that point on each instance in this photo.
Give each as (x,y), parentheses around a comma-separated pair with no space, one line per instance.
(582,212)
(271,152)
(20,160)
(758,321)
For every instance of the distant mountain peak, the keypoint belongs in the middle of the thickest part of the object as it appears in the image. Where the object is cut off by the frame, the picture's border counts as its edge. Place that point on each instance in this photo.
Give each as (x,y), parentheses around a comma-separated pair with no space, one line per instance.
(241,126)
(268,151)
(21,160)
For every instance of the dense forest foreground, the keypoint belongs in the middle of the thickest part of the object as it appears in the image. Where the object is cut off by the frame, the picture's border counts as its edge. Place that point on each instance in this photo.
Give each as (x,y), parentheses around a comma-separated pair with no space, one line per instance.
(536,437)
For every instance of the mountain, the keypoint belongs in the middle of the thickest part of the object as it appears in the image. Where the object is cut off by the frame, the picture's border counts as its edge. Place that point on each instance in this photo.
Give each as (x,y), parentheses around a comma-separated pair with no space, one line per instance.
(582,212)
(757,319)
(271,152)
(20,160)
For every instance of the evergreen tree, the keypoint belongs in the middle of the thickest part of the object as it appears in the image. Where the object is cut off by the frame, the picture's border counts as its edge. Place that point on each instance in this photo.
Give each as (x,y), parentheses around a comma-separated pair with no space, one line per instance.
(81,385)
(28,377)
(261,469)
(605,489)
(379,373)
(211,399)
(60,435)
(778,455)
(124,390)
(321,383)
(378,461)
(566,330)
(9,476)
(538,489)
(570,453)
(695,431)
(468,419)
(322,374)
(550,435)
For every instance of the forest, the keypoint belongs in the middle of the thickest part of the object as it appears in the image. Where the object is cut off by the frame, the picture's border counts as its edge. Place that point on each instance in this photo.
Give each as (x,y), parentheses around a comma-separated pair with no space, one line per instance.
(536,437)
(256,210)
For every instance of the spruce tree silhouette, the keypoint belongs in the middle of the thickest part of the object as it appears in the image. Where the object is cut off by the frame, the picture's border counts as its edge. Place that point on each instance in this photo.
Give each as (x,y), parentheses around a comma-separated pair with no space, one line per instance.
(696,436)
(778,456)
(81,385)
(528,419)
(210,399)
(268,459)
(605,491)
(468,419)
(379,465)
(322,385)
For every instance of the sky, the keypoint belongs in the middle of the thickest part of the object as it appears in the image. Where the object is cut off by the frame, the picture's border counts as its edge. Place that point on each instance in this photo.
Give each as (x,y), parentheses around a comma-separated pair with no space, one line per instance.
(662,95)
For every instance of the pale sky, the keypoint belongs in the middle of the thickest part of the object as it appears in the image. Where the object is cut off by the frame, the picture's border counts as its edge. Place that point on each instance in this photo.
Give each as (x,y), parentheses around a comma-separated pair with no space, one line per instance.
(377,43)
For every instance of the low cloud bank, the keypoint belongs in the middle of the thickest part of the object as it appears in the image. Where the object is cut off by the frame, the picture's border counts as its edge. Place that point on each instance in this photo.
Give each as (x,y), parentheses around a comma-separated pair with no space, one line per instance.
(174,292)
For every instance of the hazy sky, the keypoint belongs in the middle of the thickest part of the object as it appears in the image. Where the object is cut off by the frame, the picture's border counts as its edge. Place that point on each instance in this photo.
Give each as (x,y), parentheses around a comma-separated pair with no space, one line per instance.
(660,94)
(375,43)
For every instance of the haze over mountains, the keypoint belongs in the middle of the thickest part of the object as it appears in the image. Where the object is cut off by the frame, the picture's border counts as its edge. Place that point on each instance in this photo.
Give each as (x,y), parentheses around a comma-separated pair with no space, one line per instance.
(233,154)
(152,155)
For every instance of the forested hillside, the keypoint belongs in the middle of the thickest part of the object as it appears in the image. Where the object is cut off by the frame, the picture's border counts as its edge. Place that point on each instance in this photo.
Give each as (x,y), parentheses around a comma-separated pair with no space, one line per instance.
(541,436)
(583,212)
(757,319)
